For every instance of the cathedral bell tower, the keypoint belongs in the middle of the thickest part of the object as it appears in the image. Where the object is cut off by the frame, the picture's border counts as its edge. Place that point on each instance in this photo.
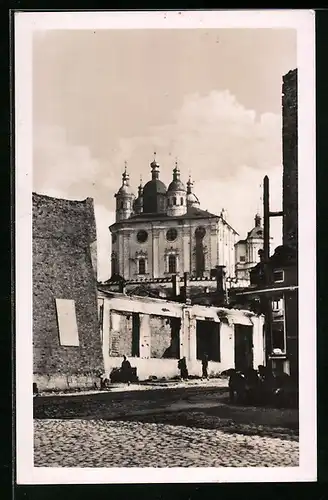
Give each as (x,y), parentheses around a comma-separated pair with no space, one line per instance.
(124,198)
(176,195)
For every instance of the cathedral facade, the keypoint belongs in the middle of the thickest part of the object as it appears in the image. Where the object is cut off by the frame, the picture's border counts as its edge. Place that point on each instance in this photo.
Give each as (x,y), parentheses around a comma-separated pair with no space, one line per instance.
(163,231)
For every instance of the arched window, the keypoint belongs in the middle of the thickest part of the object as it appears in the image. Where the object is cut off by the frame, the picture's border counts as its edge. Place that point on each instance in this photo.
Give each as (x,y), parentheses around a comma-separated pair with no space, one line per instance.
(174,201)
(172,264)
(142,266)
(181,201)
(114,265)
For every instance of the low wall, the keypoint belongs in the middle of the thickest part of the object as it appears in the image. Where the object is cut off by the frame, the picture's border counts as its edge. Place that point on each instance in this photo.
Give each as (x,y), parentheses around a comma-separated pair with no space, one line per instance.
(161,368)
(65,382)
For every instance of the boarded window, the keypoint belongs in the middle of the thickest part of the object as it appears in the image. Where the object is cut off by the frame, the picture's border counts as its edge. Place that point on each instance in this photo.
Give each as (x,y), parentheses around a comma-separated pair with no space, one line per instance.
(67,324)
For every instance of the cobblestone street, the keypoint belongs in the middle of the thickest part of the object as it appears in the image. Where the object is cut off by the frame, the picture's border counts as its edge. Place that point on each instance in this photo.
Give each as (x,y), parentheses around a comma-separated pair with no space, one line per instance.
(87,443)
(192,427)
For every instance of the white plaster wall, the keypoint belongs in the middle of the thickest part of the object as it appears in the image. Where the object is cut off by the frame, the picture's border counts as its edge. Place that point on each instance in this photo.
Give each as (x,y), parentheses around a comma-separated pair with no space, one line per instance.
(147,367)
(258,342)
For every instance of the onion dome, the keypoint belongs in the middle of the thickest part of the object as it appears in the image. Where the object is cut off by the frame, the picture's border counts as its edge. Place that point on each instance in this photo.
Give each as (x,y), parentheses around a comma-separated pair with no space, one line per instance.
(176,184)
(125,188)
(257,231)
(138,204)
(154,191)
(192,199)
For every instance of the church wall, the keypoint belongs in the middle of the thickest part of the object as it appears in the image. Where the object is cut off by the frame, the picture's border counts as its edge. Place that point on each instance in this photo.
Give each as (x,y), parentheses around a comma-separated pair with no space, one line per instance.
(240,251)
(218,247)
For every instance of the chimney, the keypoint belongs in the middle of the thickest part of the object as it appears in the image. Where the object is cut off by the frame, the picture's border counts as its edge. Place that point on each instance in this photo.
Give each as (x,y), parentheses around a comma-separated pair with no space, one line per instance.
(185,293)
(176,286)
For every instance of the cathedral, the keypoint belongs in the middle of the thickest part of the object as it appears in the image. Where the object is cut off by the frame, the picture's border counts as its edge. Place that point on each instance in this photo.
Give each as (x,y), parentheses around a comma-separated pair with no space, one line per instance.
(163,231)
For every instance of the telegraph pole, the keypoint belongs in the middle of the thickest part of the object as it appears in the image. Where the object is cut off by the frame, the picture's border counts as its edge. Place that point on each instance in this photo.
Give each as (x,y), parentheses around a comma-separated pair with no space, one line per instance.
(266,258)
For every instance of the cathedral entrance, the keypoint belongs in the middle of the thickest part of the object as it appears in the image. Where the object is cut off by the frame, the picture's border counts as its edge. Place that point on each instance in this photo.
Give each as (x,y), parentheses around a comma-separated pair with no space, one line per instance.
(243,347)
(208,340)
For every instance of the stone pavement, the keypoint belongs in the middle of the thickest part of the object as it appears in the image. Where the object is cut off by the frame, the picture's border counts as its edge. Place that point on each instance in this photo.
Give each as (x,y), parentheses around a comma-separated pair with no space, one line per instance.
(180,427)
(145,386)
(90,443)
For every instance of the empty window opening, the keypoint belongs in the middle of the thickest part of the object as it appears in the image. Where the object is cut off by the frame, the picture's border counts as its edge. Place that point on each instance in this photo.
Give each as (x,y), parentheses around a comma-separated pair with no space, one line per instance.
(208,340)
(174,201)
(173,351)
(142,266)
(172,264)
(135,350)
(243,347)
(164,337)
(67,324)
(181,201)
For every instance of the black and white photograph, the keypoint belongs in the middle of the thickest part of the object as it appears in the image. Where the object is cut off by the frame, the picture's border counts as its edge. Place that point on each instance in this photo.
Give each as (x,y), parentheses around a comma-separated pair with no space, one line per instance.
(165,246)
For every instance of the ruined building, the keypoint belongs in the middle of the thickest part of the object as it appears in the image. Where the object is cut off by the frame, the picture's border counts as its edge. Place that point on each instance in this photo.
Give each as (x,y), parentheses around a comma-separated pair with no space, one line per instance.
(67,349)
(274,281)
(155,333)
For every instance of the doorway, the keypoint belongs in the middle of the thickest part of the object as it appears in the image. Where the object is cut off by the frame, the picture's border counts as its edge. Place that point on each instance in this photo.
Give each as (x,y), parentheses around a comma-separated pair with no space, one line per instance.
(135,335)
(208,340)
(243,347)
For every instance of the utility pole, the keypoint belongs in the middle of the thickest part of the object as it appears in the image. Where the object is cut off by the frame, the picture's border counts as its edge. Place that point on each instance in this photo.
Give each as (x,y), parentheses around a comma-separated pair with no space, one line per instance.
(266,258)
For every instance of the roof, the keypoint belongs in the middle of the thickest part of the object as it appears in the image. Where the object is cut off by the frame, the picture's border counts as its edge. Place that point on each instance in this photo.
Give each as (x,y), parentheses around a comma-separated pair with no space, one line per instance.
(154,186)
(192,213)
(176,185)
(256,232)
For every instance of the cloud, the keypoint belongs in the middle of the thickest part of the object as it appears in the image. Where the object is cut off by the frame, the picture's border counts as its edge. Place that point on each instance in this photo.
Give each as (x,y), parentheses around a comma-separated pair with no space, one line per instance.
(214,136)
(227,148)
(66,171)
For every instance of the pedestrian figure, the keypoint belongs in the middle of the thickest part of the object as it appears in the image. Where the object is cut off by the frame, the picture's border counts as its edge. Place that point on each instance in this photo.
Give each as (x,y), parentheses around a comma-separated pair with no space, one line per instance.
(126,370)
(205,366)
(35,389)
(237,386)
(182,365)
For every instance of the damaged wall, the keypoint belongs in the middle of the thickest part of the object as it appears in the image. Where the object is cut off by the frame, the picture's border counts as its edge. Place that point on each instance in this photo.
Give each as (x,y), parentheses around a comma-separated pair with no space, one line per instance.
(64,254)
(158,320)
(290,159)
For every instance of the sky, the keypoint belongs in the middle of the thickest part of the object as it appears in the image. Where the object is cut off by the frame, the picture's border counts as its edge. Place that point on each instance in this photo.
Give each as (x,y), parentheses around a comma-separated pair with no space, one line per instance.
(210,99)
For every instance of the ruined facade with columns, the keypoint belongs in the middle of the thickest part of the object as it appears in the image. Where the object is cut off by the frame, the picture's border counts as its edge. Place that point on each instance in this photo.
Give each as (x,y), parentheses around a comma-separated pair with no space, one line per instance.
(155,333)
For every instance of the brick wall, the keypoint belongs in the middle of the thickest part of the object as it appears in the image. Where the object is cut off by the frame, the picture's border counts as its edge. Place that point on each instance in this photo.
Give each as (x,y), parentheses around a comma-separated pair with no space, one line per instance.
(160,339)
(120,340)
(290,159)
(64,236)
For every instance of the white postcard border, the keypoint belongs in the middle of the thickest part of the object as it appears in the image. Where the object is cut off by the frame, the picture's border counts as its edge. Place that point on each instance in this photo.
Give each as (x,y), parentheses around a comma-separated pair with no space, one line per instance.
(25,24)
